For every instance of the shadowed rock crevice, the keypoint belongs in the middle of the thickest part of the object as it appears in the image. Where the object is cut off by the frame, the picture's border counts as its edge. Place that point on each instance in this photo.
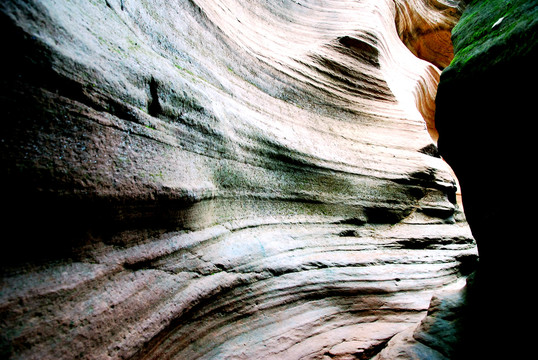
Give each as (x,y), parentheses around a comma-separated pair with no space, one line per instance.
(154,107)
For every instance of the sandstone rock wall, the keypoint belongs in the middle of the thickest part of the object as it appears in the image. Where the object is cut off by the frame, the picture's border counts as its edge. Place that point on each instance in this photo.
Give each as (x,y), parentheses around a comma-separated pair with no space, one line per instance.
(220,179)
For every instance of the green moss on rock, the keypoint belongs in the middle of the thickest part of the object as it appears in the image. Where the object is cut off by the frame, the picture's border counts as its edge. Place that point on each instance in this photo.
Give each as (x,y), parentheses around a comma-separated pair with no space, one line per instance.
(489,31)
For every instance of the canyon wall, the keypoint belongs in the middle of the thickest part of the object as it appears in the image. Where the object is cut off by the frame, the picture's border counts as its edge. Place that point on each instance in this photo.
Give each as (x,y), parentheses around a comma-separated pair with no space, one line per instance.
(483,116)
(484,122)
(223,179)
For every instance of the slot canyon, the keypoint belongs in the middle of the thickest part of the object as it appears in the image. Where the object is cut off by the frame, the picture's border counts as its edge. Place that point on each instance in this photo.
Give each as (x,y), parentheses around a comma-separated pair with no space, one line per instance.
(253,179)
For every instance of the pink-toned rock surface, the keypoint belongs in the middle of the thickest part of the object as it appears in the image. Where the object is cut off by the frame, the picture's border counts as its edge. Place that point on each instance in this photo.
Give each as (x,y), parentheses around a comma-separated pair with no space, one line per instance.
(220,179)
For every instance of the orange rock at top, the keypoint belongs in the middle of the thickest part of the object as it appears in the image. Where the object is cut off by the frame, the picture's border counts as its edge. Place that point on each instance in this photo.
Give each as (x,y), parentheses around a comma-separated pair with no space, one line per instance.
(425,28)
(435,47)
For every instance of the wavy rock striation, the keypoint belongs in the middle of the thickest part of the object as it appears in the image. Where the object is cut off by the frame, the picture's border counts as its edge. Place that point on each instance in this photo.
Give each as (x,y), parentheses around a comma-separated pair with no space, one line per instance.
(221,179)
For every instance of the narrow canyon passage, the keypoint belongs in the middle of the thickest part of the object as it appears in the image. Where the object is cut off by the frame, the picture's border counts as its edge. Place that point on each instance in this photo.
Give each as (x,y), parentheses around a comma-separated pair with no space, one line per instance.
(224,179)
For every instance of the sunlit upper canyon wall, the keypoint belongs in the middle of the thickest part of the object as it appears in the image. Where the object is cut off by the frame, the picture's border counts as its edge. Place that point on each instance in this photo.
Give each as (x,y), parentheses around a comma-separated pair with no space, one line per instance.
(224,179)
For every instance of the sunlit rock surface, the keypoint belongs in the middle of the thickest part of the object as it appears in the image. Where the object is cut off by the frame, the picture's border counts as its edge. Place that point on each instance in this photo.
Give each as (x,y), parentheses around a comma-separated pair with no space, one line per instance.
(222,179)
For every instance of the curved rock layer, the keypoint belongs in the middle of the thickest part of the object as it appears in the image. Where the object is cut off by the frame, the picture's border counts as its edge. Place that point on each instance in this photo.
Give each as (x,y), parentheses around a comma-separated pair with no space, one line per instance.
(220,179)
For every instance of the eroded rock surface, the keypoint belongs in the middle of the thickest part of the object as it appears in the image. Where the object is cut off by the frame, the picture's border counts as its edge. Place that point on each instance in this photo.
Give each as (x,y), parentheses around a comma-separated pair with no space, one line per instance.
(220,179)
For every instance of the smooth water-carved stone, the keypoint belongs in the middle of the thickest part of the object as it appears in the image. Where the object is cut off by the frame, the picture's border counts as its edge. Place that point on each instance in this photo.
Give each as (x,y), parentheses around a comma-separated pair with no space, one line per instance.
(201,179)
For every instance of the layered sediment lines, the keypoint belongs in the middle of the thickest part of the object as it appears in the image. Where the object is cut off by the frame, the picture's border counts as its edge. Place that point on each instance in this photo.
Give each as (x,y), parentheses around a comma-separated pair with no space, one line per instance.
(220,179)
(238,291)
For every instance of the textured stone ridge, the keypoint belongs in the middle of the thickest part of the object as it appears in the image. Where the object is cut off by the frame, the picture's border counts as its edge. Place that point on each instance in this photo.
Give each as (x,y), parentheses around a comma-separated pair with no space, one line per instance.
(220,179)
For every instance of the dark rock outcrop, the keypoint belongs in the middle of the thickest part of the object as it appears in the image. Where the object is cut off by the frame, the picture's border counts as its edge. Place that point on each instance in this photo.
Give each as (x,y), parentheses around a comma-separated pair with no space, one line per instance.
(478,97)
(201,179)
(483,117)
(484,121)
